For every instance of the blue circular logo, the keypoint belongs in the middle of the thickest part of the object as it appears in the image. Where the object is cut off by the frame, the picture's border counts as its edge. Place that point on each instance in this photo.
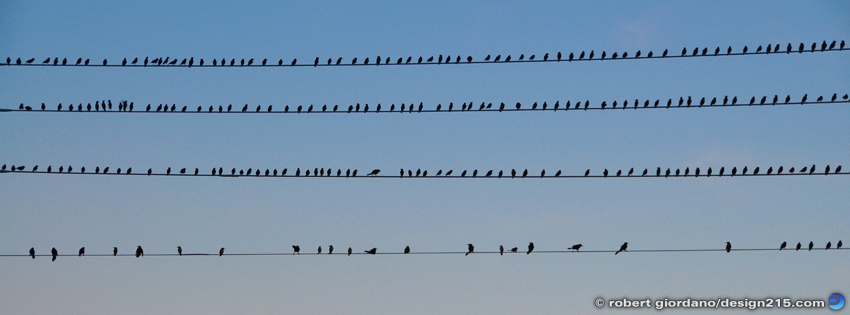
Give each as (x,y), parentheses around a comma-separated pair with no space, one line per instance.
(836,301)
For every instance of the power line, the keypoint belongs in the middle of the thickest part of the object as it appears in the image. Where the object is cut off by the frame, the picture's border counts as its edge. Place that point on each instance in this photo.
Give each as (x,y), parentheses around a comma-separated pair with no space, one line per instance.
(592,55)
(506,252)
(658,172)
(624,104)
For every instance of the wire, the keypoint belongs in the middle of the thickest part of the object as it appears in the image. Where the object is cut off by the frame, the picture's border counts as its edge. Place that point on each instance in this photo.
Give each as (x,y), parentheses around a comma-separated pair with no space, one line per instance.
(507,252)
(714,102)
(464,174)
(410,61)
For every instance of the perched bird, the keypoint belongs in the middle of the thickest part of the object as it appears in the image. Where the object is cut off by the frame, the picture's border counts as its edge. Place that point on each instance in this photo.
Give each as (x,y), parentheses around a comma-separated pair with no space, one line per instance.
(728,247)
(530,248)
(784,244)
(139,252)
(838,246)
(576,247)
(811,245)
(82,251)
(221,252)
(179,250)
(32,252)
(407,249)
(501,250)
(828,245)
(374,250)
(622,248)
(330,249)
(296,249)
(374,172)
(54,253)
(470,249)
(349,251)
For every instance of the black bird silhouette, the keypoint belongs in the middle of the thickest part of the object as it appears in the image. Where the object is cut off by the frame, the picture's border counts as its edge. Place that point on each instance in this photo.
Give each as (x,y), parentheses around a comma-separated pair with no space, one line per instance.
(115,251)
(470,248)
(530,248)
(373,250)
(811,245)
(799,246)
(374,172)
(501,250)
(54,253)
(587,172)
(576,247)
(139,252)
(828,245)
(622,248)
(296,249)
(644,172)
(349,251)
(728,247)
(179,251)
(407,249)
(838,246)
(330,249)
(221,252)
(32,252)
(784,244)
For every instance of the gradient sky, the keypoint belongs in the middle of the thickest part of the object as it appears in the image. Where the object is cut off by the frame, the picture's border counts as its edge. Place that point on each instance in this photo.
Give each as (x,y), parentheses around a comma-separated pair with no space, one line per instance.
(251,215)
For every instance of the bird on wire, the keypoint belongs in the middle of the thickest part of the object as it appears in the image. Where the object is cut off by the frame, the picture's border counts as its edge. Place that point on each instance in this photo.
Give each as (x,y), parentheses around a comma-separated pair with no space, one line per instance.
(622,248)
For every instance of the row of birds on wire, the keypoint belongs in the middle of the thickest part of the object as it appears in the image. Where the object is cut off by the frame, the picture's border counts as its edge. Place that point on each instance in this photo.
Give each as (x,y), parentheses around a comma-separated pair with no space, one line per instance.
(470,249)
(419,173)
(689,102)
(448,59)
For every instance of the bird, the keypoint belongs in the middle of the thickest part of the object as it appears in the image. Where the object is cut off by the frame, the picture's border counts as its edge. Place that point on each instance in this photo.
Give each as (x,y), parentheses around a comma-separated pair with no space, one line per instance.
(54,253)
(501,250)
(576,247)
(349,251)
(407,249)
(32,252)
(530,248)
(811,245)
(838,246)
(330,249)
(622,248)
(374,250)
(728,247)
(115,251)
(784,244)
(139,252)
(374,172)
(470,249)
(179,250)
(798,246)
(82,251)
(296,249)
(221,252)
(828,245)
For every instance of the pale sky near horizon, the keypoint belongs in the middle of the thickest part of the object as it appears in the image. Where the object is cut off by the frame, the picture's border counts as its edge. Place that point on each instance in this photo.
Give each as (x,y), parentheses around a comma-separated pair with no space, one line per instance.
(268,215)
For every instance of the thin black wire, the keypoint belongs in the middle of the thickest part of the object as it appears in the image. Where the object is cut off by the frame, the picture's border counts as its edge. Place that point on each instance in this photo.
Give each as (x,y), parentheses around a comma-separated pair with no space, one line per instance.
(468,175)
(567,106)
(414,62)
(343,253)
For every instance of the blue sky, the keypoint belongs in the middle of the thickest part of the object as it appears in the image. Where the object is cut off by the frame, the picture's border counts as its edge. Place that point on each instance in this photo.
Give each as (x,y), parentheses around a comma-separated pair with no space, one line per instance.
(249,215)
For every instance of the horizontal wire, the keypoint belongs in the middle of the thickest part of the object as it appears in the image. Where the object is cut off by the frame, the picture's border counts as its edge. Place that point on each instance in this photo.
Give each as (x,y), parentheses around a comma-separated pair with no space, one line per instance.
(465,174)
(567,106)
(343,253)
(410,61)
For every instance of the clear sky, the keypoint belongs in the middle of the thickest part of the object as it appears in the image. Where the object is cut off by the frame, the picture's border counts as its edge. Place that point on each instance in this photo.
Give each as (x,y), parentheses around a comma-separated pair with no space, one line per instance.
(264,215)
